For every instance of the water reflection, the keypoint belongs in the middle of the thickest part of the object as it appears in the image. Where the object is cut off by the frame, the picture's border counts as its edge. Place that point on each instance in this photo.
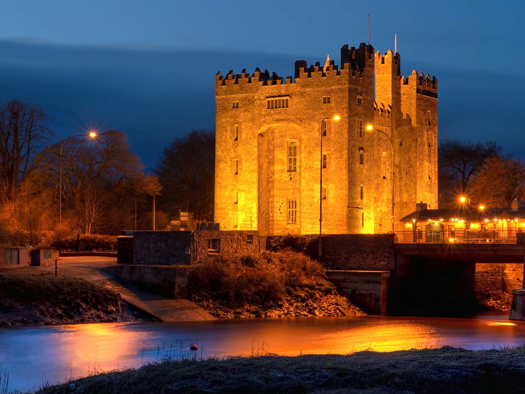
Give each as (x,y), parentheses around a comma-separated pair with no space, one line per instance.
(33,355)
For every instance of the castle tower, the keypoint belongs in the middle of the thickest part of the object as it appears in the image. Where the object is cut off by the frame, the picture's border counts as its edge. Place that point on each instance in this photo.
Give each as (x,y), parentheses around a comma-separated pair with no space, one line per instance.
(272,174)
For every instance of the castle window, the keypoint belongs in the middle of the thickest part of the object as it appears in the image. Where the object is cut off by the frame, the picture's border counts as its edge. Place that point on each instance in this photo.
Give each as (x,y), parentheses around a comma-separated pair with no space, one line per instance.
(276,103)
(214,245)
(236,167)
(360,127)
(324,192)
(236,132)
(292,157)
(361,192)
(359,100)
(383,164)
(236,197)
(292,211)
(324,160)
(235,104)
(429,118)
(249,239)
(327,99)
(323,128)
(362,219)
(361,156)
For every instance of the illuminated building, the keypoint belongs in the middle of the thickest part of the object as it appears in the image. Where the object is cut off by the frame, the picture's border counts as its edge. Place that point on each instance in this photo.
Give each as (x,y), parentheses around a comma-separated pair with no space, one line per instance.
(269,163)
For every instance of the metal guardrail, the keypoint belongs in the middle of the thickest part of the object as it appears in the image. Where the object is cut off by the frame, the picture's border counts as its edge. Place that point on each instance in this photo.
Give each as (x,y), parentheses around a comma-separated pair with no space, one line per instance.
(458,237)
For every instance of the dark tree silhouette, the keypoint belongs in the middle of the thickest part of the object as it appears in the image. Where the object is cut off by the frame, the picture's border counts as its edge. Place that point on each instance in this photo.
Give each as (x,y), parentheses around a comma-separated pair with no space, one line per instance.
(23,131)
(187,173)
(458,163)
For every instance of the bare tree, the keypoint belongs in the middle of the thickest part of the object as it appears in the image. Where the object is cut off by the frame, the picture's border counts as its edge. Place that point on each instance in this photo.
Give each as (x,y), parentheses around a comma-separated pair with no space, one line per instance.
(23,130)
(499,181)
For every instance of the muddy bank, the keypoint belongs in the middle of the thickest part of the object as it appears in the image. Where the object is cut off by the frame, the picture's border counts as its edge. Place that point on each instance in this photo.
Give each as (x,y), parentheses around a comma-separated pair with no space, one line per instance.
(42,299)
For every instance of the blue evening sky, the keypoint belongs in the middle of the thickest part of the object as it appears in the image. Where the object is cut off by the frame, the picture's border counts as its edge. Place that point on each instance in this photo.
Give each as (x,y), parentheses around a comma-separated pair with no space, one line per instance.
(147,67)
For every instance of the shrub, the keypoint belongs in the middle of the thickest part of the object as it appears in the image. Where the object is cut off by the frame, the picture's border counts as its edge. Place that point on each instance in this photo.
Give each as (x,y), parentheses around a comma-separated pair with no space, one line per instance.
(86,243)
(261,280)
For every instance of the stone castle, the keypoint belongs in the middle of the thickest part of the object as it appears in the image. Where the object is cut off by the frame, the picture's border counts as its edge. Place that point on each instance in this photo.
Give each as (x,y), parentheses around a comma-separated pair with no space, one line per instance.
(378,133)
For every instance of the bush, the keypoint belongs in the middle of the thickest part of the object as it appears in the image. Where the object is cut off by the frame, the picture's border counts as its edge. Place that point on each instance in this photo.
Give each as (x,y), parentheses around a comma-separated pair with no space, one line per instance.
(261,280)
(85,243)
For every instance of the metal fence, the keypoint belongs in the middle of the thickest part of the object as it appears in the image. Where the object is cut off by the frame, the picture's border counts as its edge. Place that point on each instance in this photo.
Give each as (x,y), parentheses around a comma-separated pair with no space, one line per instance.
(458,236)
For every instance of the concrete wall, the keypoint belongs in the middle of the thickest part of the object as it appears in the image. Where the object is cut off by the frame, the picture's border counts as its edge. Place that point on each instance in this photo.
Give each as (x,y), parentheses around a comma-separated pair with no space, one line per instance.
(343,251)
(162,247)
(231,243)
(168,281)
(181,247)
(365,289)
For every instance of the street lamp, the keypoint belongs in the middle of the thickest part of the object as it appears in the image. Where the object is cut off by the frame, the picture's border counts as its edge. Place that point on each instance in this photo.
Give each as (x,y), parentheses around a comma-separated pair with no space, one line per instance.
(92,134)
(370,127)
(336,118)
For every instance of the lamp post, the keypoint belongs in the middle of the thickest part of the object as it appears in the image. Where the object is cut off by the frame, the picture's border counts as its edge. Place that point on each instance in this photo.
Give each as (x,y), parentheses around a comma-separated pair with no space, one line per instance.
(371,128)
(91,135)
(323,121)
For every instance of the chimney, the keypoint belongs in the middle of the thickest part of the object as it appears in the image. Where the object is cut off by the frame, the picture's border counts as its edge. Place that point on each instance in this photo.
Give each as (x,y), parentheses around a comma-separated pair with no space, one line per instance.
(420,206)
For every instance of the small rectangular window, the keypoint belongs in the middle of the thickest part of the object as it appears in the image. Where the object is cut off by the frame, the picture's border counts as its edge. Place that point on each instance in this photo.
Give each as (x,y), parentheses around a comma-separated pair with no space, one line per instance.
(359,100)
(249,239)
(360,127)
(236,197)
(292,157)
(324,192)
(327,100)
(324,160)
(214,245)
(323,128)
(361,192)
(236,163)
(236,132)
(362,219)
(361,156)
(275,103)
(235,104)
(47,254)
(292,211)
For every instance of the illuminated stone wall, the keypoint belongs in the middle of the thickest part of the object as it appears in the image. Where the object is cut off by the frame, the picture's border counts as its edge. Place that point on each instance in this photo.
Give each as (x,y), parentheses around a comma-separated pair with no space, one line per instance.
(259,115)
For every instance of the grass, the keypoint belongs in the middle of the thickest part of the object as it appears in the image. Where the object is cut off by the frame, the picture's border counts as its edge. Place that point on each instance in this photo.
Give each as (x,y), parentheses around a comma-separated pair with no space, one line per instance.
(445,370)
(34,299)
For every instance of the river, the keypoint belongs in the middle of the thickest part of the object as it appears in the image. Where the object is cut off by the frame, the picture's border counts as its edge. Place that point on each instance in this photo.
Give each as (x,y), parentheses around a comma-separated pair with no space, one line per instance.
(34,355)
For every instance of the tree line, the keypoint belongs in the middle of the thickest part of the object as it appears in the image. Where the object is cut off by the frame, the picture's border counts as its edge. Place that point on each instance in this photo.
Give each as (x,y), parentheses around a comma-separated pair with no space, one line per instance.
(480,172)
(105,188)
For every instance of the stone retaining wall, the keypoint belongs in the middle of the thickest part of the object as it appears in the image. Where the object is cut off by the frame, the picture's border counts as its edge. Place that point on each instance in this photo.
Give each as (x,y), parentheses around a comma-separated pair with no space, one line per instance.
(343,251)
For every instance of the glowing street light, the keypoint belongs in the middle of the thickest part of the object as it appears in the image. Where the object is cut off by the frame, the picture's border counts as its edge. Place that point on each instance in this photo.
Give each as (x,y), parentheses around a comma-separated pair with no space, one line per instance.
(481,207)
(93,135)
(462,199)
(369,127)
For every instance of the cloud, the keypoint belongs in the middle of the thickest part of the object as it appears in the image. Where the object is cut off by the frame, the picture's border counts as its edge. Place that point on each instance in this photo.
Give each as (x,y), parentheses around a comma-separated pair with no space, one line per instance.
(156,95)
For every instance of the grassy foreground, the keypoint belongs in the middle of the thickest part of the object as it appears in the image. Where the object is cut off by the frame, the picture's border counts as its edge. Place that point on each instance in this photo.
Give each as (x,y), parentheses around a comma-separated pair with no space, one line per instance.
(36,299)
(445,370)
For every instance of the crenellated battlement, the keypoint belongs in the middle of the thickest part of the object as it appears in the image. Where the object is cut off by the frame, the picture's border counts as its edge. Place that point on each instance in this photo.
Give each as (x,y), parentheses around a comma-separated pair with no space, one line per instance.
(422,83)
(387,59)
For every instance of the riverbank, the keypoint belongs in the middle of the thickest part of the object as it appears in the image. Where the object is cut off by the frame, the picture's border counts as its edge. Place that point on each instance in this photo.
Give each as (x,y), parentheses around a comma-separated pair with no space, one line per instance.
(268,285)
(445,370)
(42,299)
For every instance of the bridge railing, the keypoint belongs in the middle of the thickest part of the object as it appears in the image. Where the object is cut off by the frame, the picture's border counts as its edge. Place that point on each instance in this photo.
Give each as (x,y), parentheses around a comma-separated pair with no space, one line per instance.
(458,236)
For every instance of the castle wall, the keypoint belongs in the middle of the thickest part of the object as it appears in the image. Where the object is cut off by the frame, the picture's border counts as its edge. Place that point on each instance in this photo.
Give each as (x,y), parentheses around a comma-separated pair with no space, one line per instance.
(259,116)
